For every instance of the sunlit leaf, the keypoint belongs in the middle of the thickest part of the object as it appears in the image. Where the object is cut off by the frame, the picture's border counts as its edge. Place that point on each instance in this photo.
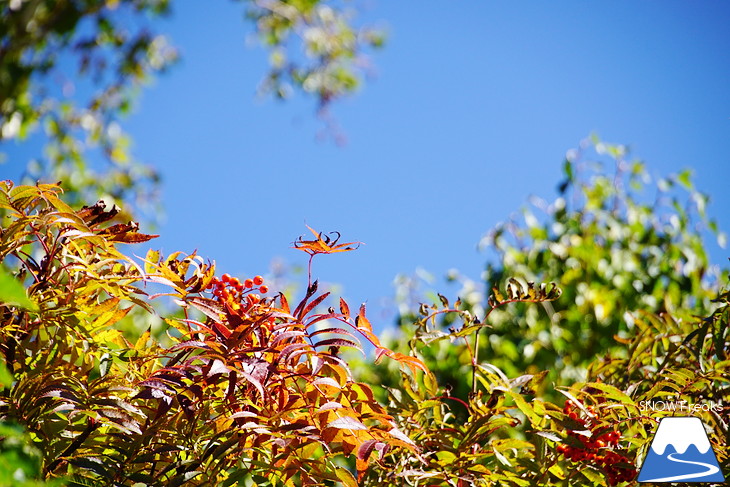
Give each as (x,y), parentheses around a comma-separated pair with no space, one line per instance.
(13,293)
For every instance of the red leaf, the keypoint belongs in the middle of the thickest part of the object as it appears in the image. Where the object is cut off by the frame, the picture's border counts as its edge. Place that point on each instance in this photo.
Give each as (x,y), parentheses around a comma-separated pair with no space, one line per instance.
(156,384)
(286,335)
(222,330)
(217,367)
(208,307)
(289,349)
(363,453)
(201,327)
(317,318)
(336,331)
(338,342)
(254,382)
(312,305)
(310,292)
(191,344)
(347,423)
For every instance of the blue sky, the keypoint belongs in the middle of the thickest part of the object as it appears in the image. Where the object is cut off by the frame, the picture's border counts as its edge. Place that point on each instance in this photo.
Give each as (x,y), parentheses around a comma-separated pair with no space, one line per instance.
(471,110)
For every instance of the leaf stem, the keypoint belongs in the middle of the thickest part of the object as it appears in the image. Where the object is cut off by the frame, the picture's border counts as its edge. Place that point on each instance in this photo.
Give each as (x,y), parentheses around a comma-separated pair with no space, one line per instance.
(90,427)
(475,361)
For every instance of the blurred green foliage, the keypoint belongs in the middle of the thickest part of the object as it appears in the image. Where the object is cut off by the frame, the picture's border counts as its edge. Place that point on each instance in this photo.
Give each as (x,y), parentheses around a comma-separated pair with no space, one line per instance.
(617,245)
(20,460)
(330,63)
(104,397)
(70,70)
(595,432)
(616,242)
(555,391)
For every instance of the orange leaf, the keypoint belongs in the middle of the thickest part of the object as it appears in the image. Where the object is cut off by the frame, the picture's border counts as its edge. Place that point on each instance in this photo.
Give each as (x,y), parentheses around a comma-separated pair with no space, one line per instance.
(362,321)
(348,445)
(284,304)
(362,467)
(324,244)
(412,363)
(344,309)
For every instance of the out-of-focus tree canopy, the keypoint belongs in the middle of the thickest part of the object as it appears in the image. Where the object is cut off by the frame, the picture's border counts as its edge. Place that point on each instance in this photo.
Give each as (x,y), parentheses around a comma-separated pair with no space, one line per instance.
(617,244)
(69,70)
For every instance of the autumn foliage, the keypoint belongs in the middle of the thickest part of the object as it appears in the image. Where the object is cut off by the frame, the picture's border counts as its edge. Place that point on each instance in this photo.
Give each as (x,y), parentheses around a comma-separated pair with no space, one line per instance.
(247,386)
(229,384)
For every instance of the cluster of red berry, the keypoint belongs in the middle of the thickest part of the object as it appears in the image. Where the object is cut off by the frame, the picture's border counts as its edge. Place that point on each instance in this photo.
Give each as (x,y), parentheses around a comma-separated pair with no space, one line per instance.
(595,445)
(238,295)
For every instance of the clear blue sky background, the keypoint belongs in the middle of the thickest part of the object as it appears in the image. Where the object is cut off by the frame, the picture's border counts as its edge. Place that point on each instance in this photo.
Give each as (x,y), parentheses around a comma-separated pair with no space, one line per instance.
(472,110)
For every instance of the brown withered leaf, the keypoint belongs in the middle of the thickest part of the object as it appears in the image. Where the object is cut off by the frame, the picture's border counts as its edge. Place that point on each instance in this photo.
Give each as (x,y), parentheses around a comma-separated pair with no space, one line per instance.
(97,213)
(126,233)
(132,238)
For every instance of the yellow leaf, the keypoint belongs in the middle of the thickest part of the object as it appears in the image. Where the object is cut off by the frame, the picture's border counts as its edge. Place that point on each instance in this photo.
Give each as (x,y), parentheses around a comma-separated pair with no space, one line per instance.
(111,336)
(150,261)
(347,479)
(142,341)
(526,409)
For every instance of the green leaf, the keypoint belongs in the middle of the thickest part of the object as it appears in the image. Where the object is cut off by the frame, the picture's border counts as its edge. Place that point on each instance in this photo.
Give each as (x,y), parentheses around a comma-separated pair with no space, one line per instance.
(568,170)
(13,293)
(6,377)
(526,409)
(611,392)
(684,178)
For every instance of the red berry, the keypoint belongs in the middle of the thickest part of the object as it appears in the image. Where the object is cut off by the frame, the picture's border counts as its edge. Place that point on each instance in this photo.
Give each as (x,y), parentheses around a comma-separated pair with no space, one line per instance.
(226,277)
(258,280)
(248,283)
(264,289)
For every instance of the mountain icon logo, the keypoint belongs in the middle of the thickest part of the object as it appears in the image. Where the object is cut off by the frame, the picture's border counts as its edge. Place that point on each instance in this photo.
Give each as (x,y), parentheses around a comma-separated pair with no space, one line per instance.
(680,452)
